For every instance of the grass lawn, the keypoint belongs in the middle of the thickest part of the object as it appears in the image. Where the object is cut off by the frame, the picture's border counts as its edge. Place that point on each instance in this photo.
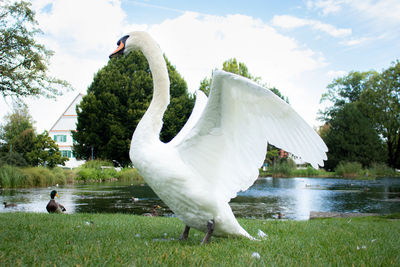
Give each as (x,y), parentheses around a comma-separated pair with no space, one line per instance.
(128,240)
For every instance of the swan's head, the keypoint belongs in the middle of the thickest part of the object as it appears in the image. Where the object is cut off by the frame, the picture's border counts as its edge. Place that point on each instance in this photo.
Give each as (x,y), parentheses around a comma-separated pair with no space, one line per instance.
(130,42)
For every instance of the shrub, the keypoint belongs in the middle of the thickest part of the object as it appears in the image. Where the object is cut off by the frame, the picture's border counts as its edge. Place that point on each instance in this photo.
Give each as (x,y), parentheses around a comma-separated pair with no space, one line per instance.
(381,169)
(60,175)
(86,174)
(89,174)
(283,168)
(129,174)
(13,159)
(70,175)
(108,174)
(96,164)
(40,176)
(349,169)
(11,176)
(307,172)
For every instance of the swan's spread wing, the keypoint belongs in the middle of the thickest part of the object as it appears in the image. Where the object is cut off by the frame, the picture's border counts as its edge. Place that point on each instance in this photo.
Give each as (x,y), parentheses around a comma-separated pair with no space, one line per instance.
(228,144)
(199,105)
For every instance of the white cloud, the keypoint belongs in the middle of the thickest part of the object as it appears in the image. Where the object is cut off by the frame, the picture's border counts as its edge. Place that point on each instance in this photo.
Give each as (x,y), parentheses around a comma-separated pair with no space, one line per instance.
(326,6)
(386,12)
(290,22)
(197,43)
(84,26)
(332,74)
(83,37)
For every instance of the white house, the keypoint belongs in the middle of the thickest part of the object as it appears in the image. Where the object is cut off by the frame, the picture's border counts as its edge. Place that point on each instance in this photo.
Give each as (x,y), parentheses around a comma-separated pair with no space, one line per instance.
(61,133)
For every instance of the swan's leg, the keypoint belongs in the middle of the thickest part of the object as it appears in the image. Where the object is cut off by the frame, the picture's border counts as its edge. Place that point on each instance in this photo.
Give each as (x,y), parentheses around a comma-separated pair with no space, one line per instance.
(185,234)
(210,227)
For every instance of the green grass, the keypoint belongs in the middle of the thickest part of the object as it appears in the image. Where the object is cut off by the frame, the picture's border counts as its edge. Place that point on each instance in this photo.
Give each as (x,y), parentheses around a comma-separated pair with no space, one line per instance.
(128,240)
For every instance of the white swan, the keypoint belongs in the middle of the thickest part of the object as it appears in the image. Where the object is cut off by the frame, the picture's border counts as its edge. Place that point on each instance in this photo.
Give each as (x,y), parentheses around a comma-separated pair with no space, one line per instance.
(220,149)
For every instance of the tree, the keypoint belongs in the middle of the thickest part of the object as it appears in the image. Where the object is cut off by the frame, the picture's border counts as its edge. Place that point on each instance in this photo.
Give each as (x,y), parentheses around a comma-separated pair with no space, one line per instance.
(352,137)
(381,104)
(343,90)
(23,61)
(377,97)
(45,152)
(239,68)
(120,94)
(13,159)
(18,133)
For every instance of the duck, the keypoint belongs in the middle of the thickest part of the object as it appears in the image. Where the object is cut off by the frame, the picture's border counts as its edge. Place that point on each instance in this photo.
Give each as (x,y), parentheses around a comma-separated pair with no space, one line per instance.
(53,206)
(153,211)
(9,205)
(134,199)
(219,150)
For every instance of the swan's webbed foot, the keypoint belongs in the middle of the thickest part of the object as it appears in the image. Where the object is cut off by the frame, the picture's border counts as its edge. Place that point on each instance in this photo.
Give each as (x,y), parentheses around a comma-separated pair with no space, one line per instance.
(207,237)
(185,233)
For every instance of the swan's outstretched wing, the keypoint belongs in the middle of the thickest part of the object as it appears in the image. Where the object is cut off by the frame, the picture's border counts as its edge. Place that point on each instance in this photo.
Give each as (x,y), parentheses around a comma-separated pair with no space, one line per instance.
(228,144)
(199,105)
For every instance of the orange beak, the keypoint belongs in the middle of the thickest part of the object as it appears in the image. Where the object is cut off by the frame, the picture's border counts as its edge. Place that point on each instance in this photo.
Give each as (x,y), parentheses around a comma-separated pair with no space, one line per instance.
(120,48)
(57,195)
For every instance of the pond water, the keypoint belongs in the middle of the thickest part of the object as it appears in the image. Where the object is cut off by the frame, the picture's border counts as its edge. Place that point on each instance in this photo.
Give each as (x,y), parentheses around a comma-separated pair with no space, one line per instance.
(292,197)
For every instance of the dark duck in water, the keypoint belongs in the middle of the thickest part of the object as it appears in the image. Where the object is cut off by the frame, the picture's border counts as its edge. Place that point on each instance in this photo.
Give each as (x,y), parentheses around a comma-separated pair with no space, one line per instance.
(153,211)
(9,205)
(53,206)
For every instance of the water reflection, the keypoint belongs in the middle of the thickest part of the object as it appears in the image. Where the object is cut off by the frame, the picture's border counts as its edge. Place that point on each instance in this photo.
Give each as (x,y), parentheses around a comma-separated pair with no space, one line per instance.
(294,198)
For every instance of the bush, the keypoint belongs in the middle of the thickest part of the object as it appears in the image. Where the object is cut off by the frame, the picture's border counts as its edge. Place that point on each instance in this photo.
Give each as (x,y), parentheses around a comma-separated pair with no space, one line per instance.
(60,175)
(13,159)
(381,169)
(86,174)
(70,175)
(283,168)
(96,164)
(349,169)
(11,176)
(40,176)
(308,172)
(129,174)
(89,174)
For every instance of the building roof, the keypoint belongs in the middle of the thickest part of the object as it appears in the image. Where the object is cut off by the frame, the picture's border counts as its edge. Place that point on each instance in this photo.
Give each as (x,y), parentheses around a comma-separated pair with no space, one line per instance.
(67,121)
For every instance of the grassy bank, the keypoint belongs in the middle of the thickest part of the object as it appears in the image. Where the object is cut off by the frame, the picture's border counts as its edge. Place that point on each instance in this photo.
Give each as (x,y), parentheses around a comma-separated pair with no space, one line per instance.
(92,171)
(350,170)
(128,240)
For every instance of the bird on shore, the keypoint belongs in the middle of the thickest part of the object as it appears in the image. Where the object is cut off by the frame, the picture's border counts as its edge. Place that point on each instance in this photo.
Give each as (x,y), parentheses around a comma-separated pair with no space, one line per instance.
(153,211)
(219,150)
(9,205)
(53,206)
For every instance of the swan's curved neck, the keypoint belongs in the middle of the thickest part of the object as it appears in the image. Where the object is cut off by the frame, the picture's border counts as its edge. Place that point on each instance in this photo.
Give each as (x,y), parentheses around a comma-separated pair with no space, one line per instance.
(149,127)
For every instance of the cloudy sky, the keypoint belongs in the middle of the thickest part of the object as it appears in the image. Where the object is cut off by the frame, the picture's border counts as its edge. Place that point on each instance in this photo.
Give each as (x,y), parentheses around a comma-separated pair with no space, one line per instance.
(295,46)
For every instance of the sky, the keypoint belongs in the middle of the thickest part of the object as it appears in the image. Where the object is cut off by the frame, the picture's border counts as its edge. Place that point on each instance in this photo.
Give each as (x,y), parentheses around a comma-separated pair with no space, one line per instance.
(298,47)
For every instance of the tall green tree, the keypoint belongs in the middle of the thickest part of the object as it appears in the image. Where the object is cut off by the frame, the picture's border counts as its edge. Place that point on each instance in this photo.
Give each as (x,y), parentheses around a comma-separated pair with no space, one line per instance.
(45,152)
(377,96)
(23,61)
(239,68)
(116,101)
(17,133)
(352,137)
(381,104)
(343,90)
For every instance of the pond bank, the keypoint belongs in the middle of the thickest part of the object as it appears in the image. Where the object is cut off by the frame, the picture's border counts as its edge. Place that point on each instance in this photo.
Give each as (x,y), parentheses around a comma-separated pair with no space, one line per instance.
(324,215)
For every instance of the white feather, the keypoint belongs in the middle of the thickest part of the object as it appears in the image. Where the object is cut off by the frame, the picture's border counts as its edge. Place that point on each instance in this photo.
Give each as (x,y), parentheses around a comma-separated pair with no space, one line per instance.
(218,152)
